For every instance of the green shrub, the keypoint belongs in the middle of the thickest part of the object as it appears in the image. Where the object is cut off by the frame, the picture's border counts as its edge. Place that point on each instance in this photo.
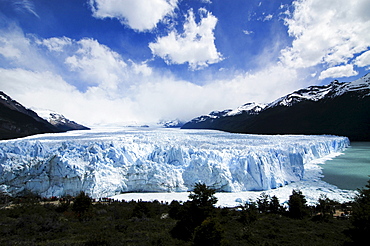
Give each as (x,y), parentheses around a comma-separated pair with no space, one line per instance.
(210,233)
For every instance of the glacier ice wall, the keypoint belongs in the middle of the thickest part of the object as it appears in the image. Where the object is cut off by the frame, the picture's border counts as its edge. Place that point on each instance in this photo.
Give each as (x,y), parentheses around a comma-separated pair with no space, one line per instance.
(104,163)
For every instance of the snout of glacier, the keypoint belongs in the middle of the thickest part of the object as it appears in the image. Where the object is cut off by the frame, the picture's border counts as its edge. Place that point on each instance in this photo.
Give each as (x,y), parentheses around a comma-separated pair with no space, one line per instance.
(107,162)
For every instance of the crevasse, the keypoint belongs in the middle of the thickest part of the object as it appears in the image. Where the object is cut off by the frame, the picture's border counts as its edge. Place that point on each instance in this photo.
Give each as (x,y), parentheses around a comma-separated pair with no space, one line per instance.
(105,163)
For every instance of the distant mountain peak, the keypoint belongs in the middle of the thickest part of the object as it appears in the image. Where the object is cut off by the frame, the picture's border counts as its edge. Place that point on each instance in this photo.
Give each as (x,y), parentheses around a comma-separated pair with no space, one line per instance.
(176,123)
(58,120)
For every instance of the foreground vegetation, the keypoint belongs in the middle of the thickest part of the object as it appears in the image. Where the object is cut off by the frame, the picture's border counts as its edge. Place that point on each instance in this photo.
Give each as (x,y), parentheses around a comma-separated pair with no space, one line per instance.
(27,221)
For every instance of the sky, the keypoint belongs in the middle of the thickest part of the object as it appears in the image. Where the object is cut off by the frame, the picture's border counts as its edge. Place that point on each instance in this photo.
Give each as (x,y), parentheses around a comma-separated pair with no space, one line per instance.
(141,61)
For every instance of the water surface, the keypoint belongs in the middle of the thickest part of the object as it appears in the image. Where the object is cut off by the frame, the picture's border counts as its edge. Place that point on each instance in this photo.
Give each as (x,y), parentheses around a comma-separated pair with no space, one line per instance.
(352,169)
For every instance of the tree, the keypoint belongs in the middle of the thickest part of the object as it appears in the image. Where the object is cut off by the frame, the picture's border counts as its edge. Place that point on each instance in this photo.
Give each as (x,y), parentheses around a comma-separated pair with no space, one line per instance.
(203,196)
(263,203)
(193,212)
(249,213)
(361,215)
(274,206)
(325,208)
(81,204)
(297,205)
(202,202)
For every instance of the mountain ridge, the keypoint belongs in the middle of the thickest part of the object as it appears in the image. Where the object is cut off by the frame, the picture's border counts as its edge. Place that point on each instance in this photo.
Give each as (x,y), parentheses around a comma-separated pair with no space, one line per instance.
(339,108)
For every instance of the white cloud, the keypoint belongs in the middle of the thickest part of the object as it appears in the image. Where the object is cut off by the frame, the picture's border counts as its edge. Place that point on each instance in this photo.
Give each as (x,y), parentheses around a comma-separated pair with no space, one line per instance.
(97,64)
(50,91)
(25,6)
(326,32)
(246,32)
(338,72)
(263,86)
(195,45)
(8,49)
(141,15)
(118,90)
(55,44)
(268,17)
(18,50)
(363,60)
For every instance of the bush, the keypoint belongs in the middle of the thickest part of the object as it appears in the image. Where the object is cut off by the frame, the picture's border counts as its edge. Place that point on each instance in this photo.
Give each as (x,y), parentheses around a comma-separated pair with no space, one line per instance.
(174,210)
(141,210)
(209,232)
(249,213)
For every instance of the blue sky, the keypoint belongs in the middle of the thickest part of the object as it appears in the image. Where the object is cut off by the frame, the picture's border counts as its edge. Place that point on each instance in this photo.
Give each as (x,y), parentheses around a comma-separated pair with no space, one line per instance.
(117,61)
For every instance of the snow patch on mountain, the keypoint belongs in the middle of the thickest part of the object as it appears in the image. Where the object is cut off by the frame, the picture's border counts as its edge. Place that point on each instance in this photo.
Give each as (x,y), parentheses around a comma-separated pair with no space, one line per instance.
(58,120)
(251,108)
(108,162)
(316,93)
(51,116)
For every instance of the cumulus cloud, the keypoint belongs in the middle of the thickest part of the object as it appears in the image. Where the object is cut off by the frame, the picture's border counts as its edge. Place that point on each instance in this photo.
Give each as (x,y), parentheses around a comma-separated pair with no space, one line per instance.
(97,64)
(339,71)
(141,15)
(194,46)
(363,60)
(119,90)
(18,50)
(327,33)
(48,90)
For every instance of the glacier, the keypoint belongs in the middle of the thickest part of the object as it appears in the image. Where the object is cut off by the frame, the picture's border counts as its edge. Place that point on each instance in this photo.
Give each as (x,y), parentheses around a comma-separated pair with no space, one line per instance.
(106,162)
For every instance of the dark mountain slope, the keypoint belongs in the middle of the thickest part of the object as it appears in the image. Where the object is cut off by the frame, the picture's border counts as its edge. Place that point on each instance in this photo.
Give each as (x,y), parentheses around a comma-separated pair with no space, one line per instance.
(337,108)
(17,121)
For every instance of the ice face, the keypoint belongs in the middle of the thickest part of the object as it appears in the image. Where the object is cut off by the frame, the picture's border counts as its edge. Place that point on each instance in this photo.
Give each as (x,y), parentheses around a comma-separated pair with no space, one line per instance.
(107,162)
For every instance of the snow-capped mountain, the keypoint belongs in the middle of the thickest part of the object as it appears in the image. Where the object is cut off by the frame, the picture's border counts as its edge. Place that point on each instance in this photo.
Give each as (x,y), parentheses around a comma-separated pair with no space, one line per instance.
(108,162)
(176,123)
(59,120)
(339,108)
(332,90)
(203,122)
(18,121)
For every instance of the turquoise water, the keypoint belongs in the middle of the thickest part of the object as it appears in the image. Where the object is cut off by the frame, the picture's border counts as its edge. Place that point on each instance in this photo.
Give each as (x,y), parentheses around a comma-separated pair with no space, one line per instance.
(351,170)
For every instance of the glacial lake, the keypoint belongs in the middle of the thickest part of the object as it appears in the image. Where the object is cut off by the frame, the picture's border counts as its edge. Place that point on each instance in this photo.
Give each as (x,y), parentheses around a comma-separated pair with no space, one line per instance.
(350,170)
